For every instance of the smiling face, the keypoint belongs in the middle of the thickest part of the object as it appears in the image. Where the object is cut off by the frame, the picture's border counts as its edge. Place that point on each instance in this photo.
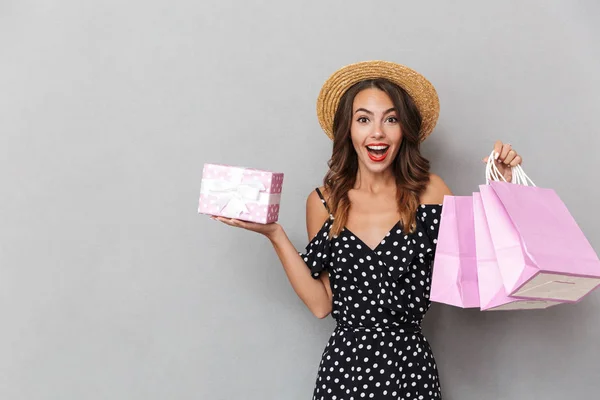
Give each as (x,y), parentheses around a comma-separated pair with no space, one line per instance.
(375,129)
(376,133)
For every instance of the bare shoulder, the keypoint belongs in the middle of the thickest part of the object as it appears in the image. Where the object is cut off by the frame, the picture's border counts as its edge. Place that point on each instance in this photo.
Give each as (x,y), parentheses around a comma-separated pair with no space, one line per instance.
(314,202)
(316,213)
(435,191)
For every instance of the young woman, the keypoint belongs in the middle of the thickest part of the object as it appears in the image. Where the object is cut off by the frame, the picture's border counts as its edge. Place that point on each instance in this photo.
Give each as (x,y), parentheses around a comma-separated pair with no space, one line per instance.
(373,231)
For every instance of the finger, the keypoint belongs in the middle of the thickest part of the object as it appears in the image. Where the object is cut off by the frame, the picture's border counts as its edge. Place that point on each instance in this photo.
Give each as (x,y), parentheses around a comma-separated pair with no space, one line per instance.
(506,147)
(497,149)
(485,159)
(501,168)
(240,224)
(226,221)
(516,161)
(509,157)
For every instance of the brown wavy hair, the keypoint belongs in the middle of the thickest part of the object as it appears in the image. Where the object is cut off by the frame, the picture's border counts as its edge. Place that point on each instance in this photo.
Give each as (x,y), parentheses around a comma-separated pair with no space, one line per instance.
(410,168)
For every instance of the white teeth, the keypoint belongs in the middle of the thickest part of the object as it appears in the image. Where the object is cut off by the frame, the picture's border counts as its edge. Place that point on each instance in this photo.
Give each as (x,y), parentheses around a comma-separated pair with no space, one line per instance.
(377,147)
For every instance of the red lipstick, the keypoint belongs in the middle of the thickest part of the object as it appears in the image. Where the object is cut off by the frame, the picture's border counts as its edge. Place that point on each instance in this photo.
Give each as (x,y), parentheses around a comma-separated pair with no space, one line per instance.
(379,154)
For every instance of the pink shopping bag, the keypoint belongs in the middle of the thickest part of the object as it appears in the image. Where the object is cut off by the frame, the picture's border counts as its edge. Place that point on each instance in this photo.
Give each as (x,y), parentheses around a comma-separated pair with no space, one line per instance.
(492,294)
(454,279)
(541,251)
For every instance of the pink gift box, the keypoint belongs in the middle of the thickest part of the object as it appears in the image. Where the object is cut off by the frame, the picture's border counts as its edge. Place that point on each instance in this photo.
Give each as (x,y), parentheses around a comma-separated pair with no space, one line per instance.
(243,193)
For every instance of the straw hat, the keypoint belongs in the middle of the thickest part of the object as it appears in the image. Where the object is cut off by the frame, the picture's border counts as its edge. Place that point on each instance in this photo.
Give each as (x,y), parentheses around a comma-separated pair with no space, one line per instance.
(420,89)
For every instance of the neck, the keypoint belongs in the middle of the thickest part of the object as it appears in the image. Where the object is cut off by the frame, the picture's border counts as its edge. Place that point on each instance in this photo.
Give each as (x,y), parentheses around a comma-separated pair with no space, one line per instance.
(374,182)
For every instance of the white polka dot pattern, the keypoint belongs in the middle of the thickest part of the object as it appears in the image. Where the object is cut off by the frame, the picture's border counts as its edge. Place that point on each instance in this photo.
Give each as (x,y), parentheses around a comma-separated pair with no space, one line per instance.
(380,297)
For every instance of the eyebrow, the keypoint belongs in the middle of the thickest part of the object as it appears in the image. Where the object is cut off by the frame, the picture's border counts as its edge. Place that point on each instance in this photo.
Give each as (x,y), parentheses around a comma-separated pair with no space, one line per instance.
(371,113)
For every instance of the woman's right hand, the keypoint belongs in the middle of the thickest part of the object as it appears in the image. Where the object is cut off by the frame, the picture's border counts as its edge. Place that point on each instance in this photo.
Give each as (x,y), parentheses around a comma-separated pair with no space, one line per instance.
(269,230)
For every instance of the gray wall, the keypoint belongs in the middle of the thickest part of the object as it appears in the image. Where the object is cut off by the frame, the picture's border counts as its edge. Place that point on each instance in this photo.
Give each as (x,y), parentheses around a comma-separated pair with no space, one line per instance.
(112,287)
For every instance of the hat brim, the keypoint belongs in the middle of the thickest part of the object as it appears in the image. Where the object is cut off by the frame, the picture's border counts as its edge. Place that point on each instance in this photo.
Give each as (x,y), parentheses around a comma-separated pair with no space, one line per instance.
(420,90)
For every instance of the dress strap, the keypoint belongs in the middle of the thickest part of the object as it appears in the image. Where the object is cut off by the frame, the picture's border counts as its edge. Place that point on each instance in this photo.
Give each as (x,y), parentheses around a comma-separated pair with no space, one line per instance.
(322,199)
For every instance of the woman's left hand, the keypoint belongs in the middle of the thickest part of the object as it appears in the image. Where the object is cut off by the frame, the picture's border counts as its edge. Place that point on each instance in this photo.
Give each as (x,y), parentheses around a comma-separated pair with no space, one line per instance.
(506,158)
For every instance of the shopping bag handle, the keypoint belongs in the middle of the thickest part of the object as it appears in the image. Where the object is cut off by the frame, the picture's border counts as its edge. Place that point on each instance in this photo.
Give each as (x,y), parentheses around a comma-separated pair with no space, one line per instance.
(493,174)
(521,176)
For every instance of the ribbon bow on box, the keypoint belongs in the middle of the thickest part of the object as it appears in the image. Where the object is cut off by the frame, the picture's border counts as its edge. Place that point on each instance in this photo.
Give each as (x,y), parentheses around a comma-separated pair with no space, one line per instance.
(233,195)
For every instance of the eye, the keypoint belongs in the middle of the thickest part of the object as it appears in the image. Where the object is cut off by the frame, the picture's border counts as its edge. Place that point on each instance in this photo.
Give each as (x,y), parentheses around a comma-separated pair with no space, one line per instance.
(363,120)
(393,120)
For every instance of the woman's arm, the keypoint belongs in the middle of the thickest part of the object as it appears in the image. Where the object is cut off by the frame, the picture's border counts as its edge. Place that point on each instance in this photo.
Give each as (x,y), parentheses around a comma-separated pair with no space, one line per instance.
(316,215)
(315,293)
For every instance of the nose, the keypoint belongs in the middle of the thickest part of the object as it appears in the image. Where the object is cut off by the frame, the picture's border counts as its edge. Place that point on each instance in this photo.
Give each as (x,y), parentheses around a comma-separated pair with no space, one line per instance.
(377,131)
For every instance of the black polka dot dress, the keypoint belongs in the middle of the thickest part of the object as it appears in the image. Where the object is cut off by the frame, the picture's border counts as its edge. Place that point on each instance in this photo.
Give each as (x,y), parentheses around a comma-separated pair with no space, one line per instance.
(380,297)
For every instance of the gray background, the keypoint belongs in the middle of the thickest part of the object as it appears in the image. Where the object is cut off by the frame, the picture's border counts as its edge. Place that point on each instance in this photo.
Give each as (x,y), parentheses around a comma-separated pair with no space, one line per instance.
(112,287)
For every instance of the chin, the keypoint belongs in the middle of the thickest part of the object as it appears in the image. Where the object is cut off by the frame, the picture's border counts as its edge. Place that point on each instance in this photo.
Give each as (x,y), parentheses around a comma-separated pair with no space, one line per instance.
(376,167)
